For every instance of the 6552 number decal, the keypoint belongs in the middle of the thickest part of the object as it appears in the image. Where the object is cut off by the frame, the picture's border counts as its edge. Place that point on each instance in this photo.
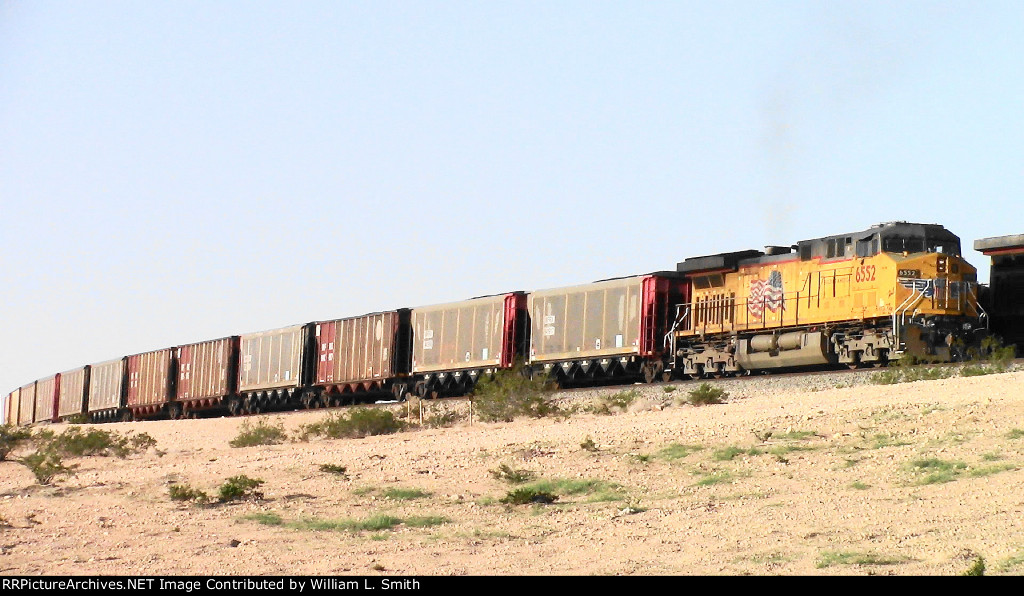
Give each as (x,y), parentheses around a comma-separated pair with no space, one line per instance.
(865,273)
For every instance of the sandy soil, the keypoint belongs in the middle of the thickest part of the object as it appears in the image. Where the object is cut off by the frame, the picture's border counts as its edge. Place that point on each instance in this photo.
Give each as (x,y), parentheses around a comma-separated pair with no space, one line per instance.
(841,486)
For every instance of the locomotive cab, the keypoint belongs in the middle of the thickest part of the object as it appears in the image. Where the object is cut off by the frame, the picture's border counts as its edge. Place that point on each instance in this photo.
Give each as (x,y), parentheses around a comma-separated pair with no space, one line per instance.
(935,313)
(893,237)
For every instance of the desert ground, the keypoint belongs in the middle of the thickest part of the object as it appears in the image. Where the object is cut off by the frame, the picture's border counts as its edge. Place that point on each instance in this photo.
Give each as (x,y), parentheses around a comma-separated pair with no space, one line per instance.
(807,475)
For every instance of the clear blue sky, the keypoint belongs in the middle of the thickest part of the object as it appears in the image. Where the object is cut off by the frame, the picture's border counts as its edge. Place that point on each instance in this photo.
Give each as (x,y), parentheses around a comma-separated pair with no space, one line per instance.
(178,171)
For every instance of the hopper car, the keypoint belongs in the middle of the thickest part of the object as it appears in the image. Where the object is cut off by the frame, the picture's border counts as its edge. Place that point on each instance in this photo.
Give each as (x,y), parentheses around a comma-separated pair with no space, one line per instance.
(1005,297)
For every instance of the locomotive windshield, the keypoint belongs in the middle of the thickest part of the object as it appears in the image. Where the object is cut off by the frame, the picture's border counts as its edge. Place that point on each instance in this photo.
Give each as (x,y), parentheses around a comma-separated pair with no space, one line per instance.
(945,244)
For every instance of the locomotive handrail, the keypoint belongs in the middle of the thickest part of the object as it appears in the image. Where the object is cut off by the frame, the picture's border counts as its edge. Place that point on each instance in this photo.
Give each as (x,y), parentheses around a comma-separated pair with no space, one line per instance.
(978,308)
(680,317)
(901,312)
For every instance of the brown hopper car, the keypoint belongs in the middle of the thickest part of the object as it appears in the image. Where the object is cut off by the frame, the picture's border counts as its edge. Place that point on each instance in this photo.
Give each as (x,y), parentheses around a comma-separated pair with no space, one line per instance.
(611,328)
(207,374)
(106,390)
(454,343)
(27,404)
(73,398)
(47,394)
(358,355)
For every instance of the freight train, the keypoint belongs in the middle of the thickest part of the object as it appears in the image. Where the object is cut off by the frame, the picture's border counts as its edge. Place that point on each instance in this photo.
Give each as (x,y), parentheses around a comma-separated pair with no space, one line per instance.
(894,290)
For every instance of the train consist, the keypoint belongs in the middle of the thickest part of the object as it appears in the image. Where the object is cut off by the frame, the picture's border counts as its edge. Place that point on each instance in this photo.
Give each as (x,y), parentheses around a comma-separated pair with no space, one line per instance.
(866,298)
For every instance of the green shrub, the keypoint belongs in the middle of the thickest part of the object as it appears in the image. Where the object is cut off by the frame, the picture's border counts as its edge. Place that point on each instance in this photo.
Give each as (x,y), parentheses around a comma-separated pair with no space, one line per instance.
(75,442)
(46,465)
(239,487)
(527,495)
(46,462)
(977,568)
(993,358)
(356,423)
(678,451)
(260,433)
(374,523)
(706,394)
(334,469)
(908,369)
(184,492)
(511,394)
(620,401)
(936,471)
(442,418)
(267,519)
(511,475)
(730,453)
(426,521)
(404,494)
(795,435)
(830,558)
(11,438)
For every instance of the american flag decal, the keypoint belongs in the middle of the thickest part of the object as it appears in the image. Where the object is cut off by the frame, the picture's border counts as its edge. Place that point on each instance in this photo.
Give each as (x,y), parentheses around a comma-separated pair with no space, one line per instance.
(765,294)
(924,286)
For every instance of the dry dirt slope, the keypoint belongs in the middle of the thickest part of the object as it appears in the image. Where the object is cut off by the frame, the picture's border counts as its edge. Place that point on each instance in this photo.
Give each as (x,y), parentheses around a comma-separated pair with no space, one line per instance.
(844,485)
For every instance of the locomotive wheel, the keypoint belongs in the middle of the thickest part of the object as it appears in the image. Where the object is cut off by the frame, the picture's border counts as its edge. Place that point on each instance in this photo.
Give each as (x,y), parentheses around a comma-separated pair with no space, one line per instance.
(666,376)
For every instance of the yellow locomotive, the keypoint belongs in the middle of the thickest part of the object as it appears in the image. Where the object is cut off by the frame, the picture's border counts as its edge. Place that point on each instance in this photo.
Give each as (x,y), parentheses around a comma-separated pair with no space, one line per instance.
(895,289)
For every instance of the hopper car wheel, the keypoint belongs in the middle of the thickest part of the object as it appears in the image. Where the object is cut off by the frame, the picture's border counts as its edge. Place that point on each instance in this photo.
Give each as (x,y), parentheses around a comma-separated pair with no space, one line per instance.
(174,412)
(420,389)
(666,376)
(651,370)
(234,407)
